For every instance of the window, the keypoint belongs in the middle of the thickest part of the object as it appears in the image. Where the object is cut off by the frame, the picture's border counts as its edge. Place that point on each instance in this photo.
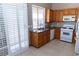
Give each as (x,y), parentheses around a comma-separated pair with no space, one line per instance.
(38,17)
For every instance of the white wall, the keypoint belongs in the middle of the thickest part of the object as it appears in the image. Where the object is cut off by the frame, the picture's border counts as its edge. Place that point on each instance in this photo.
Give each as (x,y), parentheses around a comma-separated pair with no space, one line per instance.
(64,5)
(29,7)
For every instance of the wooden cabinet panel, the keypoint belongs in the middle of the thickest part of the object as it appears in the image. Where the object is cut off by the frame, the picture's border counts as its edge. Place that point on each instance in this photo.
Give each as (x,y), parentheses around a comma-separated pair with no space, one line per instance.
(57,33)
(73,37)
(39,39)
(57,15)
(77,15)
(71,11)
(50,18)
(60,15)
(53,15)
(48,15)
(46,36)
(32,38)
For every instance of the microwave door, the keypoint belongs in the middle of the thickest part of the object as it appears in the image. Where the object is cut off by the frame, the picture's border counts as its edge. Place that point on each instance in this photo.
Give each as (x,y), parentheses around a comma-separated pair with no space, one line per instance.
(66,18)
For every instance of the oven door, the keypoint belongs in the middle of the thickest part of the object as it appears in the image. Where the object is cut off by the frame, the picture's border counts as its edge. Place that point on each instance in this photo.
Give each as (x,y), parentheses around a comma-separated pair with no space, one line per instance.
(66,36)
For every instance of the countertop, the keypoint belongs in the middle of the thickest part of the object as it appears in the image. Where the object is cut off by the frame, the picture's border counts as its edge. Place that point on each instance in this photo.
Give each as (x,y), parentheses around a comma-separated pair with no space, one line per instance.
(39,30)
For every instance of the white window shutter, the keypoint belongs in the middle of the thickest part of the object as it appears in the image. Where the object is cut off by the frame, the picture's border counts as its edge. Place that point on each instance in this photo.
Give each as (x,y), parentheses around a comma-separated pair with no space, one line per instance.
(12,27)
(15,18)
(3,40)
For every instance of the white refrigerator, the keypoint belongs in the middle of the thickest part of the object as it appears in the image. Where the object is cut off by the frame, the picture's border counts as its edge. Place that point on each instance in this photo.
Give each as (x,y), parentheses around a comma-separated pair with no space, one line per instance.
(77,39)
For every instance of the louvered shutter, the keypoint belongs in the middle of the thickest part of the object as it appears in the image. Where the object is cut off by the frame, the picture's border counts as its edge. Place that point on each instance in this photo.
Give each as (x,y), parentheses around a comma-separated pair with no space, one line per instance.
(16,27)
(3,40)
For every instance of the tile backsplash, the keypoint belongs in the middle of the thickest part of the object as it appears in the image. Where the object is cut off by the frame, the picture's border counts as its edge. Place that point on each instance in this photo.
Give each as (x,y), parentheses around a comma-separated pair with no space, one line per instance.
(60,24)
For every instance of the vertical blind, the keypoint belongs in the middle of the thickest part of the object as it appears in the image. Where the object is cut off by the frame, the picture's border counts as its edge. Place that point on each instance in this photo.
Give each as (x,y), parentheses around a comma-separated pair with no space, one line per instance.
(15,16)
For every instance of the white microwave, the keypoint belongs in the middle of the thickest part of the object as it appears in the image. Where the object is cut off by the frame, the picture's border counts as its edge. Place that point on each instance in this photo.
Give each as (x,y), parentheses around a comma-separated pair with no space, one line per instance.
(68,18)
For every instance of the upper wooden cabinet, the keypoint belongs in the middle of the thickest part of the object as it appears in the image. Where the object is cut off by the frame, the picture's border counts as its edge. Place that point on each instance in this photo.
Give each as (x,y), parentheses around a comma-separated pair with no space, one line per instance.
(48,15)
(53,15)
(77,14)
(57,15)
(71,11)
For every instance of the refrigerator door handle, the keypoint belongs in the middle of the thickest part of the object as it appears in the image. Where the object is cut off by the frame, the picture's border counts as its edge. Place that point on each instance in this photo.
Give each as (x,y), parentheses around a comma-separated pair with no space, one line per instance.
(76,27)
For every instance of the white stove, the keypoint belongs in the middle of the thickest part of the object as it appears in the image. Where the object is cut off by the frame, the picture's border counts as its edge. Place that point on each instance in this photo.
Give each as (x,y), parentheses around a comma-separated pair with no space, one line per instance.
(66,33)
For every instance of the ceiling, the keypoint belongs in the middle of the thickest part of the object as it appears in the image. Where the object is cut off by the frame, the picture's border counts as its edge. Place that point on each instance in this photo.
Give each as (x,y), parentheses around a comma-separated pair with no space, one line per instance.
(64,5)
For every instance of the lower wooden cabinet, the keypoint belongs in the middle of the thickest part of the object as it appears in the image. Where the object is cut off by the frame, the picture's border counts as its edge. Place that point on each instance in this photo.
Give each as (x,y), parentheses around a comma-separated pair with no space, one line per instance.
(39,38)
(57,33)
(73,37)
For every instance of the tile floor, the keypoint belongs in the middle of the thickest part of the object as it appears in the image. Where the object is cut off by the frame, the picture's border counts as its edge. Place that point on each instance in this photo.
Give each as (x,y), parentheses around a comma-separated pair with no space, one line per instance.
(53,48)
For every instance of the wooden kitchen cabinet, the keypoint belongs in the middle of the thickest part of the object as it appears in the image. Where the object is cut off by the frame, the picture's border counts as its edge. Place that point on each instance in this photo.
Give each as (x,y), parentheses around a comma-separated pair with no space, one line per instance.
(57,15)
(60,15)
(48,15)
(77,15)
(71,11)
(53,15)
(74,37)
(57,33)
(38,39)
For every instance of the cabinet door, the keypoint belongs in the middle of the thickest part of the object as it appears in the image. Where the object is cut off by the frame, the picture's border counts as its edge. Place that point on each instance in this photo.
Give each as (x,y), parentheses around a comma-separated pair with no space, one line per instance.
(57,15)
(70,11)
(53,15)
(46,36)
(48,15)
(40,37)
(60,15)
(77,13)
(57,33)
(34,38)
(73,38)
